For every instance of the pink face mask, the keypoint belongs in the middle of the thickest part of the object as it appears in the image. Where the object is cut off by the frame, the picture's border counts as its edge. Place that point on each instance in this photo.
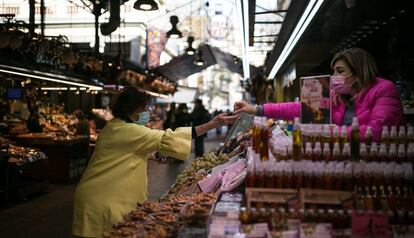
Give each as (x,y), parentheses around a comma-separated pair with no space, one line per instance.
(338,84)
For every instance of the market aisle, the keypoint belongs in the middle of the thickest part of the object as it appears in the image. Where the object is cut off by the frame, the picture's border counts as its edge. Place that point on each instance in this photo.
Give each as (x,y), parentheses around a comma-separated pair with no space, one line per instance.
(50,215)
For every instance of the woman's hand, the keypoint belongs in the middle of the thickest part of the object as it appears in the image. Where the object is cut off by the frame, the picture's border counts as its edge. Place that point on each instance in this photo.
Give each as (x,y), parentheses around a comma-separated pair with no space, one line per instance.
(224,119)
(243,106)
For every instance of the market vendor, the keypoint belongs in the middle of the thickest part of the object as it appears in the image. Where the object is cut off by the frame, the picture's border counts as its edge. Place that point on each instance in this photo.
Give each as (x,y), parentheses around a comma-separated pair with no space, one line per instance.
(373,100)
(116,177)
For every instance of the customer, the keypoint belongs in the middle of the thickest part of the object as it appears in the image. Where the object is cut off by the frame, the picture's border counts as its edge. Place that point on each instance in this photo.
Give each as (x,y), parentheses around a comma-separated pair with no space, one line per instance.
(181,117)
(199,116)
(82,127)
(33,122)
(169,120)
(356,90)
(116,177)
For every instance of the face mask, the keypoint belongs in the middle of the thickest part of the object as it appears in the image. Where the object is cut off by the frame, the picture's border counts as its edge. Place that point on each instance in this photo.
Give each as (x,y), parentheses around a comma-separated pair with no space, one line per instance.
(338,84)
(144,118)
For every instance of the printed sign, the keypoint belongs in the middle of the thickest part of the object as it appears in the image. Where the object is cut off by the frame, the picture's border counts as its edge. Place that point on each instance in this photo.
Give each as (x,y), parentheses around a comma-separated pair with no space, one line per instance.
(315,99)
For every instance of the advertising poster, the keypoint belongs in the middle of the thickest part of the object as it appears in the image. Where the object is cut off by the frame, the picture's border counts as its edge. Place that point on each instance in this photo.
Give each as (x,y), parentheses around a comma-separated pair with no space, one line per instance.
(315,99)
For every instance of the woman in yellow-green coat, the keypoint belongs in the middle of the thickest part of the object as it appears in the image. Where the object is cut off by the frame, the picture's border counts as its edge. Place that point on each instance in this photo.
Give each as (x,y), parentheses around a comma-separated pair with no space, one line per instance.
(116,177)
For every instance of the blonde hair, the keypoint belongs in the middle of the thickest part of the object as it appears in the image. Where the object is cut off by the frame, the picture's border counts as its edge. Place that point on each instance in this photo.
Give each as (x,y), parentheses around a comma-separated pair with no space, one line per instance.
(362,65)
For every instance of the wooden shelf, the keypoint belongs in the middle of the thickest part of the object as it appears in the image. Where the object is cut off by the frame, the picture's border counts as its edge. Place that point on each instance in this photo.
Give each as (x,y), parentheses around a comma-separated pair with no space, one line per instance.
(306,196)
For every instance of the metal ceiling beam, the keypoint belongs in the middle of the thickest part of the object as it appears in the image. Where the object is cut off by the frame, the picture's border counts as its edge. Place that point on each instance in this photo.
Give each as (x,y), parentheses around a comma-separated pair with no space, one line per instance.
(270,12)
(267,35)
(252,16)
(269,22)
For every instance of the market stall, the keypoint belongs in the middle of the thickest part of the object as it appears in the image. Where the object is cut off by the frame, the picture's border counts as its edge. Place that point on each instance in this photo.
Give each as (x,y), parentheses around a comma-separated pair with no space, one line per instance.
(313,181)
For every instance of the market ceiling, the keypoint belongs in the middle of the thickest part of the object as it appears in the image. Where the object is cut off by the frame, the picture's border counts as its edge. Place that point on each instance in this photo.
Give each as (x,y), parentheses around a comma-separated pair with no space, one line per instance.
(216,22)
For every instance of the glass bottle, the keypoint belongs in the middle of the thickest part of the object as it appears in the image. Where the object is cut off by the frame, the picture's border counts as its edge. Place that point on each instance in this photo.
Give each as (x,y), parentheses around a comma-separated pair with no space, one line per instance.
(264,141)
(402,137)
(410,152)
(363,152)
(392,153)
(342,138)
(308,151)
(391,198)
(383,198)
(360,202)
(368,137)
(369,203)
(317,152)
(355,140)
(393,135)
(335,135)
(326,152)
(383,154)
(401,153)
(410,135)
(373,152)
(269,183)
(297,139)
(385,136)
(346,153)
(244,216)
(336,154)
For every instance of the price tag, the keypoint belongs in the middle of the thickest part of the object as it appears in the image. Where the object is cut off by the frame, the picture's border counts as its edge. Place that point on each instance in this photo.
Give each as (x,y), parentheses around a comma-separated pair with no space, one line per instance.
(380,225)
(361,223)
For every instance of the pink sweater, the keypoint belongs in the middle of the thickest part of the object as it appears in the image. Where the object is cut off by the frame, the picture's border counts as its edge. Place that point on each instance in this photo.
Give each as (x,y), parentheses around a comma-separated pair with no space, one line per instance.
(377,106)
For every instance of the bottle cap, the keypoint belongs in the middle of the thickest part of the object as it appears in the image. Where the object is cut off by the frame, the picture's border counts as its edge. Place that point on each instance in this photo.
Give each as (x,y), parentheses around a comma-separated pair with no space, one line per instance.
(368,132)
(355,122)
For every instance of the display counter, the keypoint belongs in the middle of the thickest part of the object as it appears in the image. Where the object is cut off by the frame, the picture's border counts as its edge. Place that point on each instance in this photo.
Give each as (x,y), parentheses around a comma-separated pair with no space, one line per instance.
(68,156)
(322,190)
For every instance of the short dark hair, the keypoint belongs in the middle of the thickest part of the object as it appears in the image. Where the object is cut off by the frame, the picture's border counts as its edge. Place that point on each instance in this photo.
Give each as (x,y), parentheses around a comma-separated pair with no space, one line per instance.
(129,101)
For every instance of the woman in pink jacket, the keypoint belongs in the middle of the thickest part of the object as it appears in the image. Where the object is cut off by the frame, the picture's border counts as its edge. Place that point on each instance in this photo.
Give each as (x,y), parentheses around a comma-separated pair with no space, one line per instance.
(356,90)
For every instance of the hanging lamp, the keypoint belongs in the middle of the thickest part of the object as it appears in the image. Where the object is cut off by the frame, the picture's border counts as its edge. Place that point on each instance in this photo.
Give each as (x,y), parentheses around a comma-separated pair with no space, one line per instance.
(174,33)
(200,60)
(146,5)
(190,50)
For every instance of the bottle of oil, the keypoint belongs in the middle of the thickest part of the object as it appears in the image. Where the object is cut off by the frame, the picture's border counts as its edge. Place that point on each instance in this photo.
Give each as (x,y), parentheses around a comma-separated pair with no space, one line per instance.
(410,135)
(317,152)
(355,139)
(308,151)
(368,137)
(402,137)
(393,135)
(346,153)
(369,202)
(373,152)
(336,154)
(297,140)
(410,152)
(385,136)
(335,135)
(363,152)
(383,198)
(392,153)
(342,138)
(326,152)
(383,154)
(401,153)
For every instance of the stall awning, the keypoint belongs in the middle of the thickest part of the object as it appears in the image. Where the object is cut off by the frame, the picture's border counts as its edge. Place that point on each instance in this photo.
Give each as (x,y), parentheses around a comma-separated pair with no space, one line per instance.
(183,66)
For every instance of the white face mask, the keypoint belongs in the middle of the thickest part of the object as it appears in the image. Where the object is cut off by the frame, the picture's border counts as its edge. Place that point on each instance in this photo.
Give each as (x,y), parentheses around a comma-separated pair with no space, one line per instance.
(144,118)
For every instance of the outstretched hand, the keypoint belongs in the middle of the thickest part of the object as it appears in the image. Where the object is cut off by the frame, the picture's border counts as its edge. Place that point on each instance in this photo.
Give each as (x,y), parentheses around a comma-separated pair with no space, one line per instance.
(224,119)
(243,106)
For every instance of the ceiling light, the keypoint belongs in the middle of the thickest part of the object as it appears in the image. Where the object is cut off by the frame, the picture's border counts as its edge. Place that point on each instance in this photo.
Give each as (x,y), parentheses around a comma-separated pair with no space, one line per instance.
(174,33)
(199,61)
(46,76)
(146,5)
(307,16)
(190,50)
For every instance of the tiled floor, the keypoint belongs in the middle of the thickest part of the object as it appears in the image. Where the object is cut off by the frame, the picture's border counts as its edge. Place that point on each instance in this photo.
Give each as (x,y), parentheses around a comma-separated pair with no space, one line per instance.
(50,215)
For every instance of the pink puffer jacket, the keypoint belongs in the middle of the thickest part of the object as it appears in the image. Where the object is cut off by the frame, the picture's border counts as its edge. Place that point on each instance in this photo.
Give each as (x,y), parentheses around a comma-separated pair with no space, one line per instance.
(379,105)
